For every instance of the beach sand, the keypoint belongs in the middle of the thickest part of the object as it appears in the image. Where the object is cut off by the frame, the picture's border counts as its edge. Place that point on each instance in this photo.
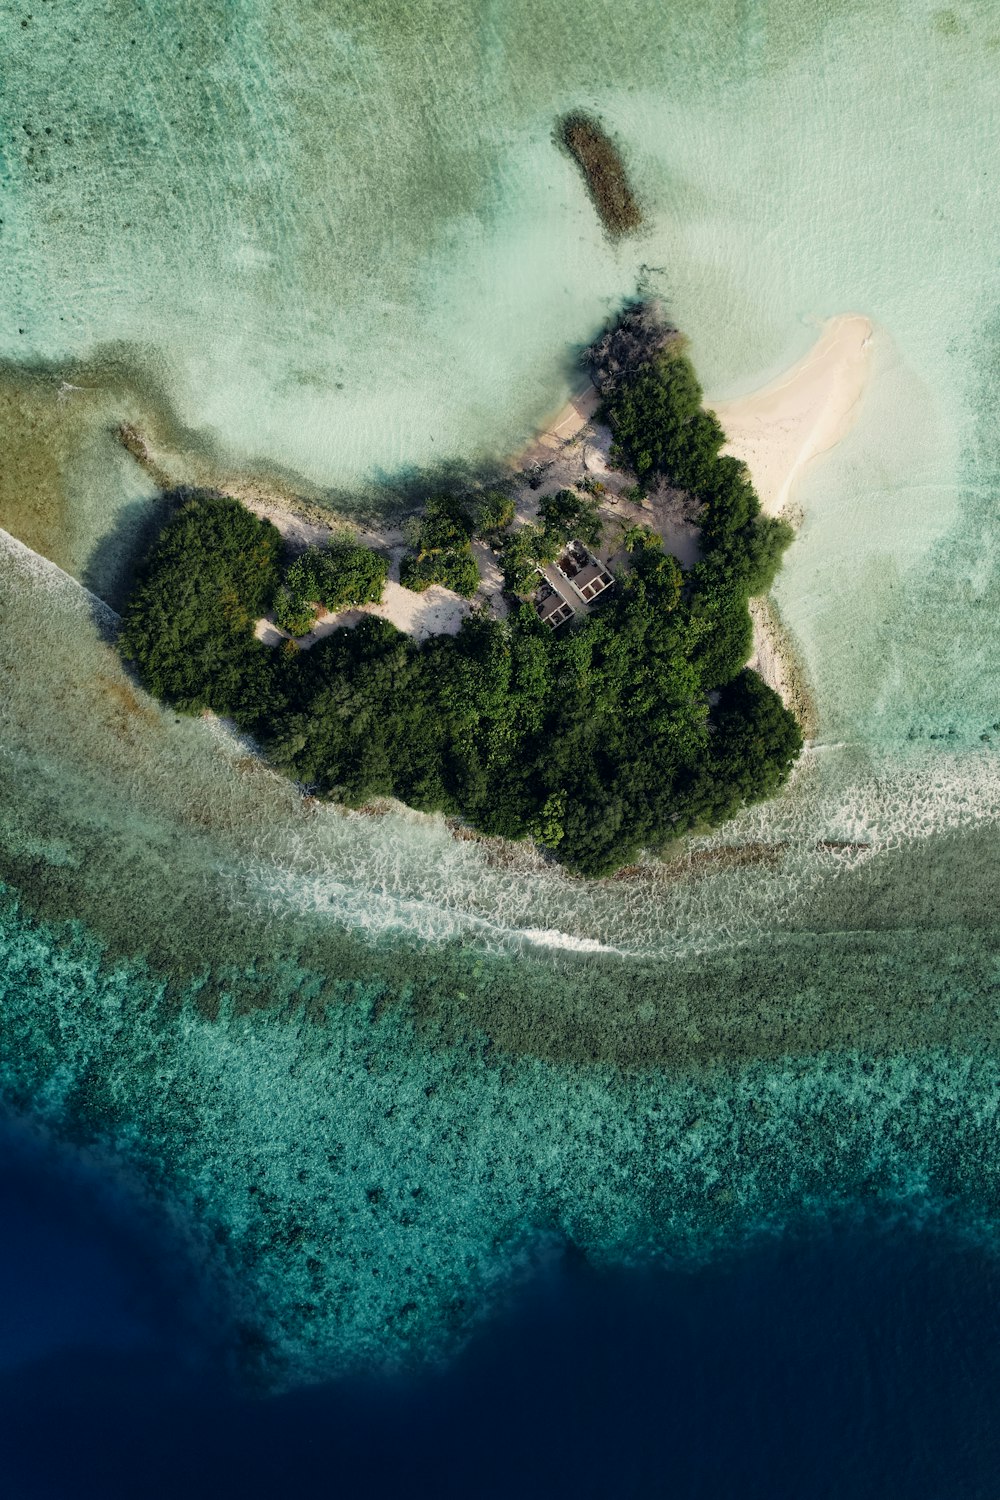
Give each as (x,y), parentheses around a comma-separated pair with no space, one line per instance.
(781,428)
(777,432)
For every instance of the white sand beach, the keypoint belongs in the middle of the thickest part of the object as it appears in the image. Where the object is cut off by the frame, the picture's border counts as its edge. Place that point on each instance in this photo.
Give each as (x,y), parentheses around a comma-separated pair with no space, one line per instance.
(781,428)
(777,431)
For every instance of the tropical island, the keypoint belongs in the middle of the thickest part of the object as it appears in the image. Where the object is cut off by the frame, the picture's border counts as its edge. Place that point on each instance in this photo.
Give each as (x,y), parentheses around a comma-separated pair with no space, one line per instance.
(597,701)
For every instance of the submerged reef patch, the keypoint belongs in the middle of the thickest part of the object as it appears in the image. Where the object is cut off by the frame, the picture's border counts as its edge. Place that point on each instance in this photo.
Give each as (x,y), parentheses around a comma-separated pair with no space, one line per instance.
(604,172)
(360,1195)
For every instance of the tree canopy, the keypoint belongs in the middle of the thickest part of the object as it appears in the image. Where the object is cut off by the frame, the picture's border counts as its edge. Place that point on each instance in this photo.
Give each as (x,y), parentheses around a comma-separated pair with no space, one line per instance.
(493,512)
(442,551)
(568,514)
(336,576)
(188,626)
(653,402)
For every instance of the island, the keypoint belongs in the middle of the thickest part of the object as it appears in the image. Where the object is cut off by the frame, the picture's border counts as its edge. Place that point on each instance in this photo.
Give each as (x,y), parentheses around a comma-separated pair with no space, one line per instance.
(596,699)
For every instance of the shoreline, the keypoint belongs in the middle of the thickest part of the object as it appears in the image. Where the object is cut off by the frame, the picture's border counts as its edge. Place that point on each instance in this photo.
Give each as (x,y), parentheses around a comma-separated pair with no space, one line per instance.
(565,424)
(778,661)
(780,429)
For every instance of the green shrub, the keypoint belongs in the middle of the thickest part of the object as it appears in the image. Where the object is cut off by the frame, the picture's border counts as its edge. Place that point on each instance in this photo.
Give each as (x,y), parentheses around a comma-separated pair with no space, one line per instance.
(292,614)
(440,532)
(494,511)
(764,545)
(450,570)
(659,425)
(446,524)
(443,553)
(566,515)
(342,574)
(520,556)
(188,625)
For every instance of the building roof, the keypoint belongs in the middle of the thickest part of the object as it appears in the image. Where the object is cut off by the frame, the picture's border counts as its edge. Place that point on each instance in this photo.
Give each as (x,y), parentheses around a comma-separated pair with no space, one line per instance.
(584,574)
(551,606)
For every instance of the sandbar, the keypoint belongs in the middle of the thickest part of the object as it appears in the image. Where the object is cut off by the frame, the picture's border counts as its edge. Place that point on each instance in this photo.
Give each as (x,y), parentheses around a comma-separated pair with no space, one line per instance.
(781,428)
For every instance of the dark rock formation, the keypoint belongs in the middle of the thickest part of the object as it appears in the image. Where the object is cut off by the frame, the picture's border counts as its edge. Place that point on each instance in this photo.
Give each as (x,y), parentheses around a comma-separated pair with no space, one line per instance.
(604,171)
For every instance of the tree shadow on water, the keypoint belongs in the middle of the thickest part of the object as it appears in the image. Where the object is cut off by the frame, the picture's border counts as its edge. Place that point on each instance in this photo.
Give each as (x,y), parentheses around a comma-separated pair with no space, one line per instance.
(113,565)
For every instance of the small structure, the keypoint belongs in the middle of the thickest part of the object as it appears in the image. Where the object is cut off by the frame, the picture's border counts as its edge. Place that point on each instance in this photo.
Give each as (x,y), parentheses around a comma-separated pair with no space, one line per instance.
(551,606)
(583,572)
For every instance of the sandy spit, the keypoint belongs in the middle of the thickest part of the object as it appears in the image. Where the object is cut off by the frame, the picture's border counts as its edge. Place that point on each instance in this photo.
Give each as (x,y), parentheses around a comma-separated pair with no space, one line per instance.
(779,430)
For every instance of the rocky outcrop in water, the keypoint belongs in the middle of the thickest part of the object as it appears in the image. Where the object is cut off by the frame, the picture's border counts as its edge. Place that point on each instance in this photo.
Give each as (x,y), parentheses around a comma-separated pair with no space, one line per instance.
(603,169)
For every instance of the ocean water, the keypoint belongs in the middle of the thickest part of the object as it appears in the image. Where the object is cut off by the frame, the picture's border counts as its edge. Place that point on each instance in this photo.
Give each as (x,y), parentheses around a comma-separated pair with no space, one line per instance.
(857,1361)
(375,1078)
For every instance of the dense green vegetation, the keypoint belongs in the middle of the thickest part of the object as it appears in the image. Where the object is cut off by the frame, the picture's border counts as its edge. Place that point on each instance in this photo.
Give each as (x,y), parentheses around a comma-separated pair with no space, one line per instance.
(442,541)
(342,574)
(492,511)
(189,622)
(662,432)
(622,730)
(520,555)
(569,514)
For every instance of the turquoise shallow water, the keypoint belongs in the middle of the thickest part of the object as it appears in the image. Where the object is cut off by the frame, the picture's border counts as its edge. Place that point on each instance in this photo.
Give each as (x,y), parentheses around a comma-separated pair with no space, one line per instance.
(375,1073)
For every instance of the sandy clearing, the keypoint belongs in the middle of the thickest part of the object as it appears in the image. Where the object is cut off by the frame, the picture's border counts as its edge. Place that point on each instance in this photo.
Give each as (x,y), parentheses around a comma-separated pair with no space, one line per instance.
(436,611)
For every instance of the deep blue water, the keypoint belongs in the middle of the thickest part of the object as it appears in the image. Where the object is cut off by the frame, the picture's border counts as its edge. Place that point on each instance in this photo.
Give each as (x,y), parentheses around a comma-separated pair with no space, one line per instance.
(852,1361)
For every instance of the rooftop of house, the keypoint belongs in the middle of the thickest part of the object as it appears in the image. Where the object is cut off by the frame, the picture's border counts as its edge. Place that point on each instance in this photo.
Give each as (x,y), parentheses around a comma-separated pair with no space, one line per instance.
(550,604)
(583,572)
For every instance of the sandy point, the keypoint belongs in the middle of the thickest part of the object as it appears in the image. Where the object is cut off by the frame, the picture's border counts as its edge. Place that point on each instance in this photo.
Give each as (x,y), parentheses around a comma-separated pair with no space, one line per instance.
(781,428)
